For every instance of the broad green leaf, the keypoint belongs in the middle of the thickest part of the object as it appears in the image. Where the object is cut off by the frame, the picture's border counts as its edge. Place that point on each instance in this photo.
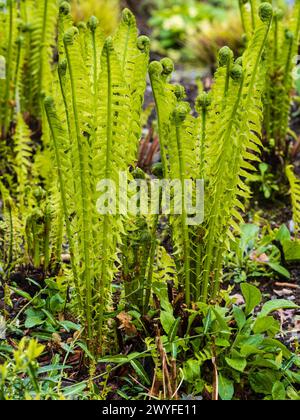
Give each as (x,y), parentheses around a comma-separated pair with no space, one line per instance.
(140,371)
(265,324)
(283,234)
(239,317)
(291,250)
(249,234)
(279,269)
(278,392)
(247,350)
(275,346)
(266,363)
(76,389)
(174,330)
(21,293)
(222,342)
(207,321)
(238,364)
(34,318)
(57,303)
(84,347)
(226,388)
(167,321)
(114,359)
(262,381)
(53,368)
(191,370)
(275,305)
(70,326)
(293,394)
(221,320)
(252,297)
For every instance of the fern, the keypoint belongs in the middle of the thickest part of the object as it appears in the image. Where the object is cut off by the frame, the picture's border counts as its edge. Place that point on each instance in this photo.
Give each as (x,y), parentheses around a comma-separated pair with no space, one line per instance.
(295,195)
(221,152)
(279,56)
(93,96)
(23,154)
(8,45)
(43,20)
(228,152)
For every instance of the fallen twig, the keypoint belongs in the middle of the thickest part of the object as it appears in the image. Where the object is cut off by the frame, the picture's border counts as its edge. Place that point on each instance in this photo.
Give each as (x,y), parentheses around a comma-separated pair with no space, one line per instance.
(288,285)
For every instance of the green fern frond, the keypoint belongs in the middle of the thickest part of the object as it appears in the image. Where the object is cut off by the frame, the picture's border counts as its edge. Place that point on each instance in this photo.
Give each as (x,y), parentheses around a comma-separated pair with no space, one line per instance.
(133,54)
(229,144)
(8,43)
(42,41)
(22,159)
(295,194)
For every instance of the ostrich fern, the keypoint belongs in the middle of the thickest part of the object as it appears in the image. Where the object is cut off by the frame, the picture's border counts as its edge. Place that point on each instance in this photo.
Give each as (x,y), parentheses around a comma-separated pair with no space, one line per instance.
(94,136)
(279,60)
(228,138)
(27,38)
(295,195)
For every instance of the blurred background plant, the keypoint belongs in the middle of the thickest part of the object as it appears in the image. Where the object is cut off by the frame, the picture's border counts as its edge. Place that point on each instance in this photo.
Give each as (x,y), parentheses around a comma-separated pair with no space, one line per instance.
(194,30)
(107,11)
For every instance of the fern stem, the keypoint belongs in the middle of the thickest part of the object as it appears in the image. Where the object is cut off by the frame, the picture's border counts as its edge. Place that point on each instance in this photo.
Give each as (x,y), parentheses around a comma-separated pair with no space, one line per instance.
(83,198)
(59,236)
(218,195)
(258,59)
(283,124)
(227,80)
(95,75)
(104,250)
(42,46)
(64,205)
(5,120)
(46,235)
(218,272)
(275,37)
(243,17)
(211,236)
(161,135)
(152,257)
(11,237)
(253,11)
(36,244)
(185,231)
(16,80)
(62,84)
(199,253)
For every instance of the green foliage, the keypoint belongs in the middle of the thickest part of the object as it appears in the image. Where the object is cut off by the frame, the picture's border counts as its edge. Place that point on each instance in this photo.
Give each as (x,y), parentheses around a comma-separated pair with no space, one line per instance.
(175,23)
(71,117)
(101,141)
(295,194)
(26,48)
(267,181)
(280,62)
(226,136)
(257,255)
